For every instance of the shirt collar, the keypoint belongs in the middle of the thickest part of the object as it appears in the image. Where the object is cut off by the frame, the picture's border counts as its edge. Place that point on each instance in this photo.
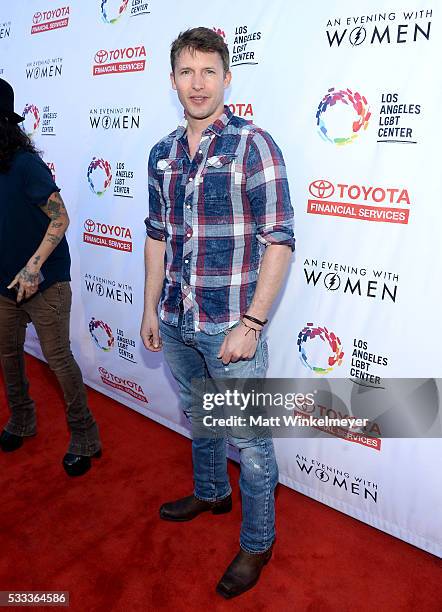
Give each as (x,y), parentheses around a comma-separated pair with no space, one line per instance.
(181,129)
(216,127)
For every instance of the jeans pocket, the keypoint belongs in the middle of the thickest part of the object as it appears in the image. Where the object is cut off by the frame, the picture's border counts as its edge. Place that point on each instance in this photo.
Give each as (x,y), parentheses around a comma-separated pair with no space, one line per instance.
(64,296)
(265,352)
(227,331)
(58,297)
(261,358)
(51,298)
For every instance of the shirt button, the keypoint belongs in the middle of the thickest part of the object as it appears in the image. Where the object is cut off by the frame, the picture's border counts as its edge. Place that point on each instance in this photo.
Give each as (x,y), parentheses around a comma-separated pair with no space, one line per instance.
(190,179)
(188,206)
(189,234)
(200,151)
(186,261)
(185,287)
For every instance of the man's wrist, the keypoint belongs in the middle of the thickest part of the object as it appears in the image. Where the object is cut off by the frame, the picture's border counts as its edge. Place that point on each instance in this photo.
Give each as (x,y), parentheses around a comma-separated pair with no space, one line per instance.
(250,328)
(151,309)
(33,267)
(255,318)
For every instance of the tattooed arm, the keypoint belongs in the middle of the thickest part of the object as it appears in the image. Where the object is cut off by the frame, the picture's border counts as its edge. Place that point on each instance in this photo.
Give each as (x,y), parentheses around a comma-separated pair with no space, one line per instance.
(28,278)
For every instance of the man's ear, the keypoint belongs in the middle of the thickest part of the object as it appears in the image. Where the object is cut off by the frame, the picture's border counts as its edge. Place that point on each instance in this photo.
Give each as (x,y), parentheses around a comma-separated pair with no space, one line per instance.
(227,79)
(172,80)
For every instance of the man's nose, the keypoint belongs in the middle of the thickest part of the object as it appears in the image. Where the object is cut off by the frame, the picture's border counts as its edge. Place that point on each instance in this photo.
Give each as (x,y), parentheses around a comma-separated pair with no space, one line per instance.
(197,82)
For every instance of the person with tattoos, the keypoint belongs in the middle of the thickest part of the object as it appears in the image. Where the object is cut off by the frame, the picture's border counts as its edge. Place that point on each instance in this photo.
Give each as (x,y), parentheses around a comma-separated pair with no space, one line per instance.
(34,287)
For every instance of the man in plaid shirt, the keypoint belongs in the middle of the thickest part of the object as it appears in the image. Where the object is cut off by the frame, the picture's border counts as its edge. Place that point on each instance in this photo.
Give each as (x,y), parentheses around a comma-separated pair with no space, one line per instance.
(219,241)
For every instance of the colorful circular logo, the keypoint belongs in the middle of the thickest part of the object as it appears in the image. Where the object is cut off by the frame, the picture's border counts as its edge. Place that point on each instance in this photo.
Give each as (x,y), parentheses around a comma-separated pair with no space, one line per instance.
(220,33)
(101,334)
(32,119)
(99,175)
(329,351)
(111,10)
(341,116)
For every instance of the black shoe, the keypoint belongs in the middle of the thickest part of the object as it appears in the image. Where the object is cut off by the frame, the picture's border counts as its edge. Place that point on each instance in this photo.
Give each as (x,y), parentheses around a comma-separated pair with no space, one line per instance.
(10,442)
(77,465)
(243,573)
(188,508)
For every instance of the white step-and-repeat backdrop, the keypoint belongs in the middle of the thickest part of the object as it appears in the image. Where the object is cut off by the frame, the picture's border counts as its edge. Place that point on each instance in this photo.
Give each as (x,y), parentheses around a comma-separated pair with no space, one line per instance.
(352,94)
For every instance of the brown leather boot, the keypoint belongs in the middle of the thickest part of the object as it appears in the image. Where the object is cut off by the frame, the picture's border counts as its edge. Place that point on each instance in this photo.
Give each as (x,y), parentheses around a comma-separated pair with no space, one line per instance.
(188,508)
(243,573)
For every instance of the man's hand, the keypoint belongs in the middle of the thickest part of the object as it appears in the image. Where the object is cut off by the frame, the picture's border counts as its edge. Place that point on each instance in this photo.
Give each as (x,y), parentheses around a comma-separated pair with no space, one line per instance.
(240,343)
(26,281)
(150,332)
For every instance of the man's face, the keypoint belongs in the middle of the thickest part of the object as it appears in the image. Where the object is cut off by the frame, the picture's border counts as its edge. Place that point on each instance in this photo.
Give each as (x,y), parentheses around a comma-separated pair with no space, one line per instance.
(200,82)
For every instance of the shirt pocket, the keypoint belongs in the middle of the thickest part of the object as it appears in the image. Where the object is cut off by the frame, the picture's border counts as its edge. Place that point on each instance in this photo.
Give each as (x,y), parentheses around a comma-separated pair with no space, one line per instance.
(217,177)
(218,192)
(219,161)
(169,172)
(167,166)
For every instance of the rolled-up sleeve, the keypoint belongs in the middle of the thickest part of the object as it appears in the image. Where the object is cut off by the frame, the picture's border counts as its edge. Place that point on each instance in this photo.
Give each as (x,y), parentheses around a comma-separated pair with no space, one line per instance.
(155,220)
(268,191)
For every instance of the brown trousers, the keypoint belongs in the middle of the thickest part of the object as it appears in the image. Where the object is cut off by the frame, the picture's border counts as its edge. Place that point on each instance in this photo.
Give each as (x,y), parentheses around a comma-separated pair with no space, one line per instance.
(49,311)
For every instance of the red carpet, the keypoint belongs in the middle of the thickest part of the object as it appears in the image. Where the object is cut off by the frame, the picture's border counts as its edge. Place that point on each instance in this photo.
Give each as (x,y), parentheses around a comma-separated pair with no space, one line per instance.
(99,537)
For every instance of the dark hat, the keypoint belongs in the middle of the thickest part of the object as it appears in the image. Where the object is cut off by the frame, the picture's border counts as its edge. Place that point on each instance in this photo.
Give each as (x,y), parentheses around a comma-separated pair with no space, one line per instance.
(7,102)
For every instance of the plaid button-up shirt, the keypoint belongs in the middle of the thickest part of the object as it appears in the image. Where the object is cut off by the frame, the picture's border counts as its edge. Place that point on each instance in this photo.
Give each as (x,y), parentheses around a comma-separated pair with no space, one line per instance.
(216,213)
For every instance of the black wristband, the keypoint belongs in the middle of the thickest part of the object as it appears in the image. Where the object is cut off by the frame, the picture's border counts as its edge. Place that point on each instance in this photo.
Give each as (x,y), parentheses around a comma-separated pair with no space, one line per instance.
(254,320)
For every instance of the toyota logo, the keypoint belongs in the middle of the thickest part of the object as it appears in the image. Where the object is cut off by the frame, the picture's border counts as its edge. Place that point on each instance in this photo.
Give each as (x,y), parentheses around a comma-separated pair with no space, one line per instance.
(89,225)
(321,189)
(101,56)
(103,371)
(37,18)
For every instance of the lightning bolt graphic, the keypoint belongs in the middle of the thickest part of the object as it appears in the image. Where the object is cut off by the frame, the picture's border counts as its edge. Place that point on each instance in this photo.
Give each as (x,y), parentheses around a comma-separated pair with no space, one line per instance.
(332,281)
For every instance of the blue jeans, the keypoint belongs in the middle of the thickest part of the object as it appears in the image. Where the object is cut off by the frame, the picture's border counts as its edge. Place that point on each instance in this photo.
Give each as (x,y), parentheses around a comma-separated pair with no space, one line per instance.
(190,355)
